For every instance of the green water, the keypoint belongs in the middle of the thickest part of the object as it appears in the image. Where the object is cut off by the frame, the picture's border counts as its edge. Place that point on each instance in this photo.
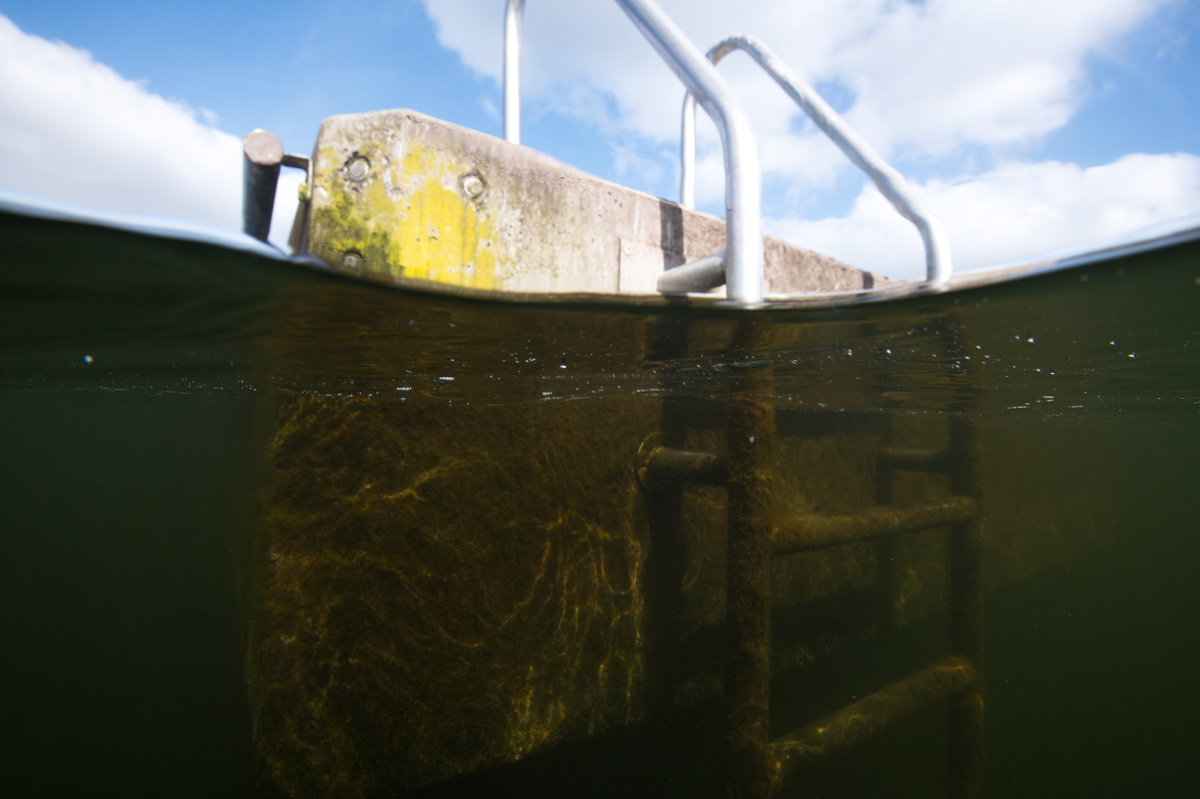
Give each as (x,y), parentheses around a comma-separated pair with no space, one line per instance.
(138,383)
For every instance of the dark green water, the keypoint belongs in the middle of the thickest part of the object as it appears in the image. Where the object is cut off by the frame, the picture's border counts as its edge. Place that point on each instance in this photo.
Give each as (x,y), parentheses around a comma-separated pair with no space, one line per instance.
(135,375)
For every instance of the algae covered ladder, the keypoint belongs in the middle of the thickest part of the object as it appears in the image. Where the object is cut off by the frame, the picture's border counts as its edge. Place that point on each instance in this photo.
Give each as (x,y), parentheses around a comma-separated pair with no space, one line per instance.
(756,767)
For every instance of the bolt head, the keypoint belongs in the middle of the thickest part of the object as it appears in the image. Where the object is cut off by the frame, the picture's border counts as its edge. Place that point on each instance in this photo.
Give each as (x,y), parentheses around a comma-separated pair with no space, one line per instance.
(473,186)
(358,168)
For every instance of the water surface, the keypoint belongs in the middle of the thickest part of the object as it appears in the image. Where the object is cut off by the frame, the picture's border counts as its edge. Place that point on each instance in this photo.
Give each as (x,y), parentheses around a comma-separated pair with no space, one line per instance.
(144,384)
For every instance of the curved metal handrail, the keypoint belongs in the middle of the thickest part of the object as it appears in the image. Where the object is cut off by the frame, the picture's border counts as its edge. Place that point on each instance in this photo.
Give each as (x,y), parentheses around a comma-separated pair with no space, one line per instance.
(743,178)
(938,264)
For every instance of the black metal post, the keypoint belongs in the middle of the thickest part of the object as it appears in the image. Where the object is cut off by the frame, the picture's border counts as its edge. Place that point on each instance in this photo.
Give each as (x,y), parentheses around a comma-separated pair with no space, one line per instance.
(260,177)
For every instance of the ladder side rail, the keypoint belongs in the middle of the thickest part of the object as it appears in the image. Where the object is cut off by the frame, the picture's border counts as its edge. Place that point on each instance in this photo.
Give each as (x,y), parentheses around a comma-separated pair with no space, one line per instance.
(749,764)
(893,186)
(966,743)
(743,176)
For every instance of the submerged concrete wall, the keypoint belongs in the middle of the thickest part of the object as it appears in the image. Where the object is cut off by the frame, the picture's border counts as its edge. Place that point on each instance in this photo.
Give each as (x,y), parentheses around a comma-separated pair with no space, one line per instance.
(462,573)
(444,589)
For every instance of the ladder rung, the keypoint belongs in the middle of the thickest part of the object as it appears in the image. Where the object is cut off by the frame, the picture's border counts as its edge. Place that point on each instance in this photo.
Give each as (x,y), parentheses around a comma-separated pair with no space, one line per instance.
(821,530)
(916,460)
(658,465)
(869,716)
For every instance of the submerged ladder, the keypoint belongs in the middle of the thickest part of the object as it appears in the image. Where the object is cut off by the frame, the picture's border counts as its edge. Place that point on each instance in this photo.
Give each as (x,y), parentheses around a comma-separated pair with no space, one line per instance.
(756,767)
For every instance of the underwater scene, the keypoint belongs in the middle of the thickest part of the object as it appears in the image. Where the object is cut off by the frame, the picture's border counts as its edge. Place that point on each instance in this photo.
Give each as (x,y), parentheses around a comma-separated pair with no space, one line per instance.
(271,532)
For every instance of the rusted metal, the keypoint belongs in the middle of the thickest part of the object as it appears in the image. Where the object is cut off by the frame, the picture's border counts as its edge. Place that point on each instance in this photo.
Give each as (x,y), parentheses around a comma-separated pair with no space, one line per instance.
(748,763)
(658,465)
(966,753)
(869,716)
(821,530)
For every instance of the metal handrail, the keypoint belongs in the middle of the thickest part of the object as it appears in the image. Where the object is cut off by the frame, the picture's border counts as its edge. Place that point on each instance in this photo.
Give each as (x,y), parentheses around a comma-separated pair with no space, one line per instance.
(938,264)
(513,11)
(743,178)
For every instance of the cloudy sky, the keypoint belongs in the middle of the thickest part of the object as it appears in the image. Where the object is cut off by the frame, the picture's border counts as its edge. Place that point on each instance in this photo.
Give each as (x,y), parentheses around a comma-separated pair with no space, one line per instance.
(1027,125)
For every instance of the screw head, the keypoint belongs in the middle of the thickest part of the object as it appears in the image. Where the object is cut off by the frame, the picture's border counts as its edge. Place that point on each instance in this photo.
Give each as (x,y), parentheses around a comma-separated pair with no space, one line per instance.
(473,186)
(358,168)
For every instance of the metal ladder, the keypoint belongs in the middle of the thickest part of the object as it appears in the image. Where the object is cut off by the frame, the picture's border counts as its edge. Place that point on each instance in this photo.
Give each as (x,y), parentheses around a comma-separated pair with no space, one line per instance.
(756,767)
(740,265)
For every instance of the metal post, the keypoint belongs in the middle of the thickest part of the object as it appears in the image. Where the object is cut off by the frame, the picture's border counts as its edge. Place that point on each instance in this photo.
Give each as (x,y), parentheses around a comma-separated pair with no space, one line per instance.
(749,763)
(264,156)
(743,178)
(513,12)
(260,177)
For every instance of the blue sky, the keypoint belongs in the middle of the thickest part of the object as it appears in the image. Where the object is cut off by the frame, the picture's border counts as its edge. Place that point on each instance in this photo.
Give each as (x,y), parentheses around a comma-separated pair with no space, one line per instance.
(1027,125)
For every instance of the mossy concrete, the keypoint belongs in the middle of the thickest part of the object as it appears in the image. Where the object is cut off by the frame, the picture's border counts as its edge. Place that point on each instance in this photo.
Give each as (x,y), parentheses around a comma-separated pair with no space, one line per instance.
(398,196)
(445,582)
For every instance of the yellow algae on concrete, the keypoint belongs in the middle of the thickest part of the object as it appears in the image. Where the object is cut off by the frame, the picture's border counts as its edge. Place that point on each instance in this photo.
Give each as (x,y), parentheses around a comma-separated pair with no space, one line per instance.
(418,216)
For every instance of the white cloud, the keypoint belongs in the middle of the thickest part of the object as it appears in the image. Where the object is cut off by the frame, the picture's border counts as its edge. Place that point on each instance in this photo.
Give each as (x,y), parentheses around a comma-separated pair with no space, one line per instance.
(951,72)
(76,131)
(933,82)
(923,79)
(1010,213)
